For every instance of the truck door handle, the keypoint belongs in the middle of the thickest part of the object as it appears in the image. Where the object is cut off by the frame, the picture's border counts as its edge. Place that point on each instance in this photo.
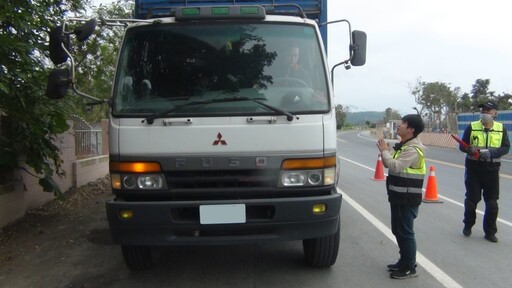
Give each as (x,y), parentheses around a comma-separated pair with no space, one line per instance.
(170,121)
(269,119)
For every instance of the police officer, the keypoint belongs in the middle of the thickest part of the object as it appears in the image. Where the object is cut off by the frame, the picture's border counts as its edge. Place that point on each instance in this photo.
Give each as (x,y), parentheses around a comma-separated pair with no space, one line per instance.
(489,138)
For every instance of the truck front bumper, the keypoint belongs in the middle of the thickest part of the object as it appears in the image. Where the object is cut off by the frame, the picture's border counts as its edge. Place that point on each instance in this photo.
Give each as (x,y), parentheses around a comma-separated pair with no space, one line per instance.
(178,222)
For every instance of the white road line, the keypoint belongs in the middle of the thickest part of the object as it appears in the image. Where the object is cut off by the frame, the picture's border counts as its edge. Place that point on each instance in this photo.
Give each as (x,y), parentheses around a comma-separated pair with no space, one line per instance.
(430,267)
(440,196)
(461,166)
(356,163)
(477,211)
(446,163)
(363,135)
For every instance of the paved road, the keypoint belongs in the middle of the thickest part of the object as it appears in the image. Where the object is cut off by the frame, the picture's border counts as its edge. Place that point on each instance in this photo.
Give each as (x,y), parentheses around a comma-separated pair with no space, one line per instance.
(74,249)
(452,259)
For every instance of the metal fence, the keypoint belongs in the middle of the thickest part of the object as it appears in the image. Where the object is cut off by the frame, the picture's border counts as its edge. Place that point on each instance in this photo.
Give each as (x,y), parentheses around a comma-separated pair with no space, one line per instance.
(88,142)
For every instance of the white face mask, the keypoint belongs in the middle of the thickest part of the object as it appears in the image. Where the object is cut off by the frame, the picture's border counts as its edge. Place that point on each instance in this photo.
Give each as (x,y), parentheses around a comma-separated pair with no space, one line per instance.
(486,118)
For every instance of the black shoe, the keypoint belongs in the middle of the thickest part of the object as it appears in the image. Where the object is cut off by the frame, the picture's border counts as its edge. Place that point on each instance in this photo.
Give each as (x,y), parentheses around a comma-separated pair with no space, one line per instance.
(395,267)
(491,238)
(403,273)
(466,231)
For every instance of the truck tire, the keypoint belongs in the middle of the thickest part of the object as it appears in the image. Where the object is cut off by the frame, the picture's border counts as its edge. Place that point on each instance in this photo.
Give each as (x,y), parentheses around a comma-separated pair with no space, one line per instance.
(322,252)
(137,257)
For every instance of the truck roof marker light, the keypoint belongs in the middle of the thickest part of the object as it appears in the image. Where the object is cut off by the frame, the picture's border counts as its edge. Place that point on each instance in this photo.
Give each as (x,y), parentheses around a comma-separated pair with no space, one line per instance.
(249,10)
(310,163)
(232,12)
(220,11)
(135,167)
(193,11)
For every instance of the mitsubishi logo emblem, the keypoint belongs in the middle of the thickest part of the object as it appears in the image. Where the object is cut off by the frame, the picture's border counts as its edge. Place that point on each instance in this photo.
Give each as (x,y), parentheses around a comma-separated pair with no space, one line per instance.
(219,140)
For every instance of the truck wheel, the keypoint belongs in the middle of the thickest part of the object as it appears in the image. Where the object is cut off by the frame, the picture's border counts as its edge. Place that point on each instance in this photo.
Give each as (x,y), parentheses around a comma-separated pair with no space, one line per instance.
(322,252)
(137,257)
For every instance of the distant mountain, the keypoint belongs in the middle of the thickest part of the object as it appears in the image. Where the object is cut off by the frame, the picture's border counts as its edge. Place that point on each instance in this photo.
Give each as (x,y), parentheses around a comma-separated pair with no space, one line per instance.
(360,118)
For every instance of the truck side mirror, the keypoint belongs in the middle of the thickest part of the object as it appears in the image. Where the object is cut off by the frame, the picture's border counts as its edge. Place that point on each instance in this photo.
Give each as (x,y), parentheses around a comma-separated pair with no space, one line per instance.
(85,31)
(358,48)
(58,83)
(57,38)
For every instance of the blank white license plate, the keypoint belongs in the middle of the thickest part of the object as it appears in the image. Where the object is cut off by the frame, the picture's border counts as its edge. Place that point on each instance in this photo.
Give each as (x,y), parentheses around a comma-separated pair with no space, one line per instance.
(222,214)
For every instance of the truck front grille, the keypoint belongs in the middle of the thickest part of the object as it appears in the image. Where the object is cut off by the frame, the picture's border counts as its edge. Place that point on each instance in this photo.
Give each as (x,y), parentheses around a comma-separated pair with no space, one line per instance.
(221,179)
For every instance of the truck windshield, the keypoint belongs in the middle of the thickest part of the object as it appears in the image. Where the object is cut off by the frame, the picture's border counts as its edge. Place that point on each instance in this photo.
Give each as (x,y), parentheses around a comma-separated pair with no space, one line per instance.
(164,66)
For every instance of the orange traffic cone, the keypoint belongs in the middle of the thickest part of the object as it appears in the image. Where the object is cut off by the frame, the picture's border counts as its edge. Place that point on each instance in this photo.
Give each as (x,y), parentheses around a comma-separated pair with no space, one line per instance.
(379,170)
(431,190)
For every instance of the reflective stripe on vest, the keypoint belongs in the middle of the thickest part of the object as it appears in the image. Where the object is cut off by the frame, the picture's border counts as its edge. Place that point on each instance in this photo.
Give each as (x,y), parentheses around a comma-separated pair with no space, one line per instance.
(409,180)
(482,140)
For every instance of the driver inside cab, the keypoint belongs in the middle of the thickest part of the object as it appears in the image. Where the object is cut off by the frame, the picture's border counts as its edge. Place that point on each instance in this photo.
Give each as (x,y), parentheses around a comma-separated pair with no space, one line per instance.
(294,69)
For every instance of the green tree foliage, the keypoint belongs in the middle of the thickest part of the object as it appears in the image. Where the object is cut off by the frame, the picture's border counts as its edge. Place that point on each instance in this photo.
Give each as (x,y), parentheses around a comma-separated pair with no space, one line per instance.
(440,103)
(29,120)
(97,59)
(391,114)
(464,104)
(437,98)
(480,92)
(341,115)
(504,101)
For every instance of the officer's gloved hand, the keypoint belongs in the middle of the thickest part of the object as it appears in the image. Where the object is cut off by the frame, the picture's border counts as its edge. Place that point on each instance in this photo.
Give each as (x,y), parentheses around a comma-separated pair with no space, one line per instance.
(484,154)
(471,150)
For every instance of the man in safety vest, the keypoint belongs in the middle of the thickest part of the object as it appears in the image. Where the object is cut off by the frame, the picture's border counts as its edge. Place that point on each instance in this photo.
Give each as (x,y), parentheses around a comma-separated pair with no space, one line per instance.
(488,141)
(406,172)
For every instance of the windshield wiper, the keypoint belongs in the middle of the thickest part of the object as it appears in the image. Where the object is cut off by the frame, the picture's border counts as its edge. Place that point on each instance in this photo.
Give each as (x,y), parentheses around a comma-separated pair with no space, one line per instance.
(289,116)
(151,118)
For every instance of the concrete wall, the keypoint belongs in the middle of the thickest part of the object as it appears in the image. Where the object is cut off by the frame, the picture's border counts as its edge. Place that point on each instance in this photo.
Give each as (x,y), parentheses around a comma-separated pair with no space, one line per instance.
(25,193)
(90,169)
(12,202)
(34,195)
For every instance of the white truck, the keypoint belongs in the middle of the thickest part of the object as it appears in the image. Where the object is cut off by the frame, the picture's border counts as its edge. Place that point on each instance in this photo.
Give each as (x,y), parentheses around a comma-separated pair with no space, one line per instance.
(222,126)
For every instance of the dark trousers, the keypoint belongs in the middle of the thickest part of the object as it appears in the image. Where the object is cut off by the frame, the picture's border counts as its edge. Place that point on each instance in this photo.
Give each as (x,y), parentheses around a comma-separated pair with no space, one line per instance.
(480,183)
(402,226)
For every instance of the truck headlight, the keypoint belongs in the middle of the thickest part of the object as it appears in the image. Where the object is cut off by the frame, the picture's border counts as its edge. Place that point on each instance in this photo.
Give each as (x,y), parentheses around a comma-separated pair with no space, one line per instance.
(150,182)
(308,172)
(321,177)
(137,176)
(140,181)
(315,177)
(130,181)
(293,178)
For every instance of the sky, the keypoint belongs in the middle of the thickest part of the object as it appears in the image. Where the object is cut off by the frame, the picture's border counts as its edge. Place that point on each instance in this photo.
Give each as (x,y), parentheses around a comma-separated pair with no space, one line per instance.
(450,41)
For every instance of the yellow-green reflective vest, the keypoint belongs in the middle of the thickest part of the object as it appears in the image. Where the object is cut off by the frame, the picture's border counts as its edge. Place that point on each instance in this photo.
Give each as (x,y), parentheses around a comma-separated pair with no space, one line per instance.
(485,140)
(405,187)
